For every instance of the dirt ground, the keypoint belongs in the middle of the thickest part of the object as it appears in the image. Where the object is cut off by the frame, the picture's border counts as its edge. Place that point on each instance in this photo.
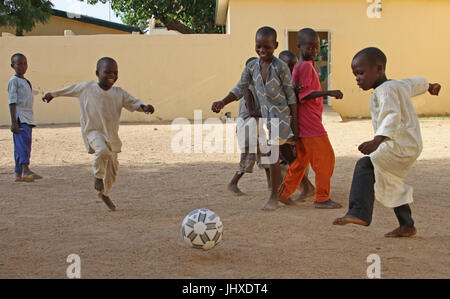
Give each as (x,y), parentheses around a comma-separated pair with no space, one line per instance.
(42,223)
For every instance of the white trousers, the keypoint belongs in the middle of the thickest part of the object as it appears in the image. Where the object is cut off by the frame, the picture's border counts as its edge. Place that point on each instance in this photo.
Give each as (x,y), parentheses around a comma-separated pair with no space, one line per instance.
(106,163)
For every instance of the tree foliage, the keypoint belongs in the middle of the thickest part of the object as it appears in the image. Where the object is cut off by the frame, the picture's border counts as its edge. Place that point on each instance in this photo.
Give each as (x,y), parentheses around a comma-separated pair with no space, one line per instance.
(185,16)
(23,15)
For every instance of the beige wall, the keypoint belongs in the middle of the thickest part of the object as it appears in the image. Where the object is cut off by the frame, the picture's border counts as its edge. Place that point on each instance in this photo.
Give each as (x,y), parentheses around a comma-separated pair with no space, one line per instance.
(176,74)
(57,25)
(414,34)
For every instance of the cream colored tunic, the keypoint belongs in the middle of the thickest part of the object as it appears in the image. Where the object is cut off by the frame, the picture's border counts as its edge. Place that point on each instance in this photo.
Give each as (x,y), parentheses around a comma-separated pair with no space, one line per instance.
(100,111)
(393,116)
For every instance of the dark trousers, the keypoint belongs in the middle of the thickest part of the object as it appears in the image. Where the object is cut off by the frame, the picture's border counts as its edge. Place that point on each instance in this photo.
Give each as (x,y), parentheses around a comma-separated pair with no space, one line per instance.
(362,195)
(22,146)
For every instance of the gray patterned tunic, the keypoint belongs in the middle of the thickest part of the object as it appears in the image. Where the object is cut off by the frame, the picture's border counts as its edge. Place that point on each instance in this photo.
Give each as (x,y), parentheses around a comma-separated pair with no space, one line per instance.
(275,96)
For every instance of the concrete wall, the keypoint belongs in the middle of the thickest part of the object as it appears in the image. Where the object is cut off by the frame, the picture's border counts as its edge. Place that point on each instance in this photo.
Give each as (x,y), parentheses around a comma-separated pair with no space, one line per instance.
(176,74)
(180,73)
(414,35)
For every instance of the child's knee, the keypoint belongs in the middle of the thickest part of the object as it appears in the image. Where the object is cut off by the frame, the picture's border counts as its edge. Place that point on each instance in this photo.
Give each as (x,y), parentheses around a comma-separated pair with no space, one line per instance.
(103,153)
(364,162)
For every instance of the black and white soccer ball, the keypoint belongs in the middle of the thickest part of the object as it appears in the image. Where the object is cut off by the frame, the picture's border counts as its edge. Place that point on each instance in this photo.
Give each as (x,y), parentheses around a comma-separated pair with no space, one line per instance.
(202,229)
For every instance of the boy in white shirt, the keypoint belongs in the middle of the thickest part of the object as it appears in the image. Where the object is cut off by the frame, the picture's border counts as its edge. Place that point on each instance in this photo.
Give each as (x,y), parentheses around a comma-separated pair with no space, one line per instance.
(101,105)
(394,149)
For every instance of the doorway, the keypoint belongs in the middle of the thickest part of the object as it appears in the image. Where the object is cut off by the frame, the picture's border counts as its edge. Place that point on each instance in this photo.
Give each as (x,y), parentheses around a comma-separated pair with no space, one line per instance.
(322,63)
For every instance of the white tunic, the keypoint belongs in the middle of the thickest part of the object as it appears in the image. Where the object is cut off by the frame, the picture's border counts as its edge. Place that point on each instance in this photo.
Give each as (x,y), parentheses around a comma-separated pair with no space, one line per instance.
(393,116)
(100,111)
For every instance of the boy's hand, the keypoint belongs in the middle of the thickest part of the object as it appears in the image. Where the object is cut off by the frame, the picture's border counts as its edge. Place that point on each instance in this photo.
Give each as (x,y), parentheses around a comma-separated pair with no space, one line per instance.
(148,109)
(370,146)
(297,88)
(434,88)
(48,97)
(15,128)
(217,106)
(336,94)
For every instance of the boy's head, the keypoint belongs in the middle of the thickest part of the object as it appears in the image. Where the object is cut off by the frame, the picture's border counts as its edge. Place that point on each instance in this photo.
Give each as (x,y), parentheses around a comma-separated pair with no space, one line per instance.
(266,43)
(289,58)
(369,67)
(107,72)
(308,43)
(19,63)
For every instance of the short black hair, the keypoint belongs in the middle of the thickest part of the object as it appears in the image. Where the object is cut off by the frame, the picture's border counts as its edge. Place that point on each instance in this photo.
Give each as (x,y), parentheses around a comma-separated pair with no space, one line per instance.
(267,31)
(306,33)
(17,55)
(373,55)
(287,54)
(250,59)
(103,60)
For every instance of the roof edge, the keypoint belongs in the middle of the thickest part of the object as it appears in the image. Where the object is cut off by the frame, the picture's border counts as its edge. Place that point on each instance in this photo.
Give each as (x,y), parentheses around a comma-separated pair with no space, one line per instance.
(95,21)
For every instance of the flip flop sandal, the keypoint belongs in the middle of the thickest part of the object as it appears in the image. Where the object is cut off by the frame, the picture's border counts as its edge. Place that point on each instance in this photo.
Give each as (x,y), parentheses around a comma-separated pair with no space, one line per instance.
(36,176)
(27,178)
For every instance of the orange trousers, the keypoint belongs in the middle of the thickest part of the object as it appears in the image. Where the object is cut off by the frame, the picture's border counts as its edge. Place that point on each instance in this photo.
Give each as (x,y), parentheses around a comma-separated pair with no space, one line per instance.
(319,152)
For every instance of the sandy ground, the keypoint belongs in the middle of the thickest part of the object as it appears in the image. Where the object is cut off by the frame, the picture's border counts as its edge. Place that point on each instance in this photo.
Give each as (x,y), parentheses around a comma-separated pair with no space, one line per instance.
(41,223)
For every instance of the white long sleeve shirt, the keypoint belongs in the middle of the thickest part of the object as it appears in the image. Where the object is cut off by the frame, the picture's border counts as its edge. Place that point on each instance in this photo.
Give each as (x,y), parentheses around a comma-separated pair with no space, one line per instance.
(394,116)
(100,110)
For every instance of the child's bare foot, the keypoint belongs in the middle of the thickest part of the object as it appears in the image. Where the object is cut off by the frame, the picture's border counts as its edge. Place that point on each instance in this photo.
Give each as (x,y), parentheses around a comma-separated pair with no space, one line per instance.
(272,204)
(98,185)
(306,192)
(287,202)
(107,201)
(349,219)
(329,204)
(402,231)
(234,188)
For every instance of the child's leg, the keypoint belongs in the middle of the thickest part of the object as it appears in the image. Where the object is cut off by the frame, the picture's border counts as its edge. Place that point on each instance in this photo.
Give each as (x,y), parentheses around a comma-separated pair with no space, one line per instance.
(275,174)
(305,185)
(295,172)
(267,170)
(403,214)
(105,171)
(406,228)
(112,167)
(232,186)
(362,195)
(322,162)
(246,165)
(105,168)
(22,151)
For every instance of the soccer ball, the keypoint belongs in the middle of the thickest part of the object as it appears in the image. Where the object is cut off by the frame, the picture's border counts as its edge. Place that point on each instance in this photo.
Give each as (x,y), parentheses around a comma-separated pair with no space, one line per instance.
(202,229)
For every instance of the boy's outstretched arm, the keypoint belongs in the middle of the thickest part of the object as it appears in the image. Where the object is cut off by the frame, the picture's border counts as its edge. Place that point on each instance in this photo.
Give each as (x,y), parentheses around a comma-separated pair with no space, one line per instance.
(332,93)
(69,91)
(218,105)
(434,88)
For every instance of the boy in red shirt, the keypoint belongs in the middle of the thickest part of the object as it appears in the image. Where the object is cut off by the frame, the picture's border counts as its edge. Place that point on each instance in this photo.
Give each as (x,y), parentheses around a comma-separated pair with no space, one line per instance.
(313,146)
